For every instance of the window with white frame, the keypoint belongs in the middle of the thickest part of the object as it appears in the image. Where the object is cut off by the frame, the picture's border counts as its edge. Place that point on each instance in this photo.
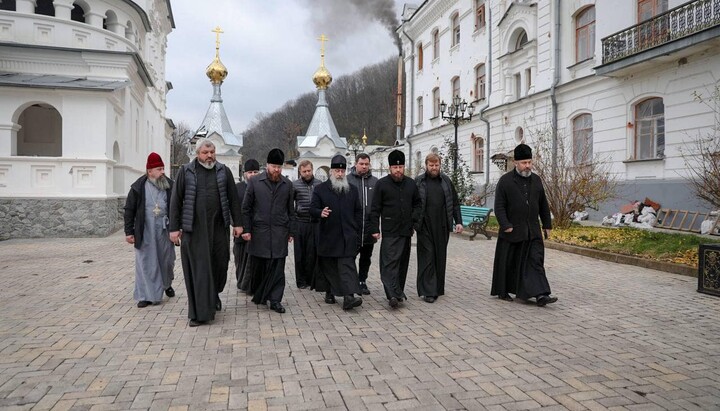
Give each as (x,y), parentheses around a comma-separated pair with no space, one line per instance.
(480,82)
(478,154)
(420,110)
(436,44)
(522,40)
(436,101)
(479,14)
(585,34)
(420,56)
(650,129)
(582,139)
(455,28)
(455,82)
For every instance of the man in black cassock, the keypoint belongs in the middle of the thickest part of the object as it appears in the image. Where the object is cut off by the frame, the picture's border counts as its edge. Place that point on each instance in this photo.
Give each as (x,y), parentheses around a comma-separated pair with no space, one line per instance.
(440,206)
(267,214)
(397,204)
(204,203)
(252,168)
(306,226)
(519,265)
(337,205)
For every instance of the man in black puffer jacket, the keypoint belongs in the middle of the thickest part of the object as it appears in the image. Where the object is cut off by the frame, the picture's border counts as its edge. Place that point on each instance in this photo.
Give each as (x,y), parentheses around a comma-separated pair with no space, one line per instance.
(361,178)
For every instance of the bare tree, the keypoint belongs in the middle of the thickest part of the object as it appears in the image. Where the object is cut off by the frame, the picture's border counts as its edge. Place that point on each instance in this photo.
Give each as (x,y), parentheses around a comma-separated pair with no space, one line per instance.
(178,147)
(703,159)
(572,187)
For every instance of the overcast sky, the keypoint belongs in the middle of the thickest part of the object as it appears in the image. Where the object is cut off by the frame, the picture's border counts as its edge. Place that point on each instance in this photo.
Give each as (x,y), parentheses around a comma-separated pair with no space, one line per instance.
(270,49)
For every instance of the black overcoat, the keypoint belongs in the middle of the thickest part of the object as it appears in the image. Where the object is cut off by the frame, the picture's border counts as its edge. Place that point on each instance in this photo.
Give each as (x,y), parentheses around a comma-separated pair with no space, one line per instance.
(241,188)
(267,213)
(339,232)
(512,210)
(134,213)
(398,205)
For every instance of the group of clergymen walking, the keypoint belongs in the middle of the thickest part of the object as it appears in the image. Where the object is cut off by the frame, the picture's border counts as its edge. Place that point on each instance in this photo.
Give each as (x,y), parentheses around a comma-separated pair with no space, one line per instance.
(331,224)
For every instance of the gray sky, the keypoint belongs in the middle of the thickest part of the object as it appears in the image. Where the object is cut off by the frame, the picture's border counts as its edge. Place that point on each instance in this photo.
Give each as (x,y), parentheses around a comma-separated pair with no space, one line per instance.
(271,50)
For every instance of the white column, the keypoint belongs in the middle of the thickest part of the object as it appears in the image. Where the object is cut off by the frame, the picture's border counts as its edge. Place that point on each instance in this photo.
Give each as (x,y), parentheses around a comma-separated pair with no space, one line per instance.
(63,9)
(25,6)
(94,19)
(117,28)
(8,139)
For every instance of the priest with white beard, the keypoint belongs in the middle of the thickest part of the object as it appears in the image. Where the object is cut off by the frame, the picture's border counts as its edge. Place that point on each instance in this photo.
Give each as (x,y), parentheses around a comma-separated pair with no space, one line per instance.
(338,207)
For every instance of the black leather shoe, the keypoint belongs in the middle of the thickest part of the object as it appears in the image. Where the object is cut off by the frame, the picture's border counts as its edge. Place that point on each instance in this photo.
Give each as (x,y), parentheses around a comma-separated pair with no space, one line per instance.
(329,298)
(544,300)
(195,323)
(350,302)
(429,299)
(394,302)
(302,286)
(143,304)
(218,304)
(505,297)
(277,307)
(364,289)
(170,292)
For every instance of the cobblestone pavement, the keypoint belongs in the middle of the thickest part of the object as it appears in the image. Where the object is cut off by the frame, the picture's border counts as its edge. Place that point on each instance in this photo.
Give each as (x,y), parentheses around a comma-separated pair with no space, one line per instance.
(620,337)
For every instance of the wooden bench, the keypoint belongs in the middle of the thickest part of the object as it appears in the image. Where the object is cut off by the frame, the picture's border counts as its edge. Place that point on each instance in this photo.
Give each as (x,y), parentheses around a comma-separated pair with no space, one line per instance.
(476,219)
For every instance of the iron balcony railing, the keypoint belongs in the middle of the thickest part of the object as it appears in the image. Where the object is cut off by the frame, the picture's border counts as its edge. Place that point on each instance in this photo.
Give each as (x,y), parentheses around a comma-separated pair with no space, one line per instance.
(676,23)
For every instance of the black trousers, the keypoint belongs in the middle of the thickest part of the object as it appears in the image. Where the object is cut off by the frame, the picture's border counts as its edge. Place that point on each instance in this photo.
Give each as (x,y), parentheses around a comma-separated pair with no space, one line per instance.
(394,261)
(305,247)
(365,254)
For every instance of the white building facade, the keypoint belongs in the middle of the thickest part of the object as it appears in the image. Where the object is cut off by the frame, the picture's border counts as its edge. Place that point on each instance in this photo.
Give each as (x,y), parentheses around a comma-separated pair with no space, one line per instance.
(82,104)
(614,79)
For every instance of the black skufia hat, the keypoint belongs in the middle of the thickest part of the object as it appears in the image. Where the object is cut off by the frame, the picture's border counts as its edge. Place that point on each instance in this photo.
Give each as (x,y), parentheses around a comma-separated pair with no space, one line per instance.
(338,162)
(252,165)
(276,156)
(522,152)
(396,158)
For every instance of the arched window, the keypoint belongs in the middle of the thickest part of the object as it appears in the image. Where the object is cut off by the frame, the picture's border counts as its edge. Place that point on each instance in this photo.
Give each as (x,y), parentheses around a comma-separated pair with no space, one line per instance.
(519,135)
(585,34)
(522,39)
(436,101)
(650,129)
(77,13)
(45,7)
(455,28)
(110,21)
(40,131)
(420,56)
(436,43)
(8,5)
(480,82)
(478,153)
(582,139)
(455,82)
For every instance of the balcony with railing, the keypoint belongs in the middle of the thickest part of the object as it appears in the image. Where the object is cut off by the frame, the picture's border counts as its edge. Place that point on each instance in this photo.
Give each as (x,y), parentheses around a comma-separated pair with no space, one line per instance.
(690,24)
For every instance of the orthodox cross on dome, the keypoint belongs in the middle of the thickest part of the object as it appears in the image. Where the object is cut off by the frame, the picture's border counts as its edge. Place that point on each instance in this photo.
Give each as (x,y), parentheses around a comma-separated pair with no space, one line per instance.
(322,40)
(217,32)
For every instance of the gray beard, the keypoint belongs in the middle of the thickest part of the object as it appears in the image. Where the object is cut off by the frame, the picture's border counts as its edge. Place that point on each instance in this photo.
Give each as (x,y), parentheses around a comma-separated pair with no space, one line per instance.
(524,173)
(209,165)
(161,183)
(339,185)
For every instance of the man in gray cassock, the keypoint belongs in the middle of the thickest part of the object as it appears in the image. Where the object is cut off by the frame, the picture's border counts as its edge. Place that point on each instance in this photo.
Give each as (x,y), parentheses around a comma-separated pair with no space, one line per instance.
(203,205)
(146,227)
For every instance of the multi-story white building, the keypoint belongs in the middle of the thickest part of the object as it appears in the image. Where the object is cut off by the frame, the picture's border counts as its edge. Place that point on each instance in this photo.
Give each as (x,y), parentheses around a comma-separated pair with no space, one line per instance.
(614,78)
(82,103)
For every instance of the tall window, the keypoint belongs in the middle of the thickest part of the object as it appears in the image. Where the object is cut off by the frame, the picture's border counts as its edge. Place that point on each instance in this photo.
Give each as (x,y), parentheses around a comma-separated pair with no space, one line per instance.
(648,9)
(585,34)
(455,87)
(420,56)
(436,101)
(436,44)
(480,82)
(455,26)
(420,109)
(479,14)
(478,154)
(518,86)
(650,129)
(77,13)
(582,139)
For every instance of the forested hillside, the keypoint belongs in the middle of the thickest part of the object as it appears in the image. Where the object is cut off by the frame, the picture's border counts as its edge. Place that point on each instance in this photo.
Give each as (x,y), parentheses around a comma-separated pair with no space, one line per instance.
(362,100)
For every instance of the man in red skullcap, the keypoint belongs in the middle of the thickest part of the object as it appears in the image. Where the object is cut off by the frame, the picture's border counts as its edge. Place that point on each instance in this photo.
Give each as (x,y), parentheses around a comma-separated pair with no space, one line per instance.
(146,227)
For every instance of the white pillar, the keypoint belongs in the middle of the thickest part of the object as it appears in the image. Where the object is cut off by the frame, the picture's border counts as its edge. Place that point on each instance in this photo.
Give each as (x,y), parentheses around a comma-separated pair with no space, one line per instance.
(94,19)
(8,139)
(25,6)
(117,28)
(63,9)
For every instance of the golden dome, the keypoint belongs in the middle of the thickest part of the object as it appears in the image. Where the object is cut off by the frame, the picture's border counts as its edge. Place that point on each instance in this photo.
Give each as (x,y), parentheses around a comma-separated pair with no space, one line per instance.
(322,78)
(216,71)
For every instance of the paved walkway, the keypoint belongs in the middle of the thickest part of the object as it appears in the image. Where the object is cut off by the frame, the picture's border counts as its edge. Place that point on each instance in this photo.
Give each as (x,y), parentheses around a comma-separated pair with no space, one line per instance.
(620,337)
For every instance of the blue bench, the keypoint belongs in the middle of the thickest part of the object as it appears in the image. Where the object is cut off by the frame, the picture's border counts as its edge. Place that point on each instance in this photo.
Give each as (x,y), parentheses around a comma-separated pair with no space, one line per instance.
(476,219)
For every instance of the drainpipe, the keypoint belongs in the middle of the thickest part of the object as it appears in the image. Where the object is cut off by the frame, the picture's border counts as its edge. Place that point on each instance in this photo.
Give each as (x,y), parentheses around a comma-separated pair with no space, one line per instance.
(556,80)
(488,92)
(411,96)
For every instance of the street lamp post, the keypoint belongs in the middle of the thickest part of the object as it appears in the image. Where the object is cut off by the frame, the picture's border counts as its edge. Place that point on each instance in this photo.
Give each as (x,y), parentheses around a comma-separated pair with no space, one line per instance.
(356,145)
(456,116)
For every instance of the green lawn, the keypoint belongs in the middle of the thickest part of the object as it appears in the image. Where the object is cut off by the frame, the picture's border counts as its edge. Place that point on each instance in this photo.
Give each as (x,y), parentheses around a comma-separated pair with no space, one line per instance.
(660,246)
